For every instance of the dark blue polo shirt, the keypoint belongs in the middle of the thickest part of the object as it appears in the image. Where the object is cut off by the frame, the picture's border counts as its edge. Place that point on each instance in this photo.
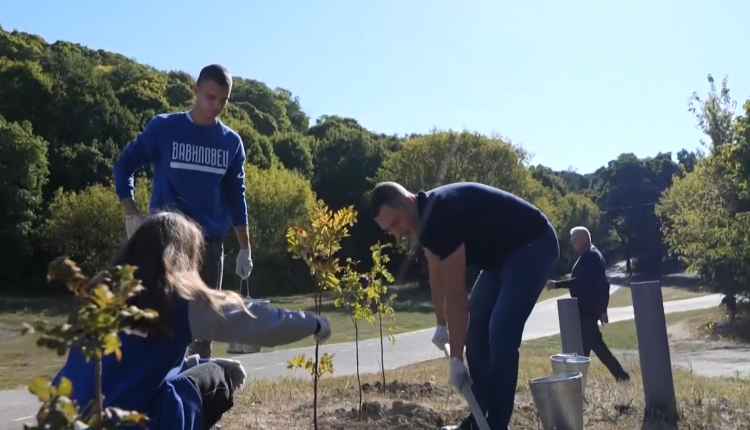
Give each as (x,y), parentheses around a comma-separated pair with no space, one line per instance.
(491,223)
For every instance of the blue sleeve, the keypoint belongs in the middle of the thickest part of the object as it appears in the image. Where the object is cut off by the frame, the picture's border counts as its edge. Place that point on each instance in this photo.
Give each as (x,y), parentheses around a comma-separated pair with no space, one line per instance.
(142,151)
(234,187)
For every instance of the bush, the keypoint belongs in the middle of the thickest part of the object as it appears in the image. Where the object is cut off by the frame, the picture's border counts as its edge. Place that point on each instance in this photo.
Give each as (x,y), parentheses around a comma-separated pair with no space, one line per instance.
(276,199)
(88,225)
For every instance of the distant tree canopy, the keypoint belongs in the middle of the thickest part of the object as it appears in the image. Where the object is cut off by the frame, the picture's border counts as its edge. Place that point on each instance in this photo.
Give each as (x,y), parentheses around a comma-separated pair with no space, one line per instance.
(67,111)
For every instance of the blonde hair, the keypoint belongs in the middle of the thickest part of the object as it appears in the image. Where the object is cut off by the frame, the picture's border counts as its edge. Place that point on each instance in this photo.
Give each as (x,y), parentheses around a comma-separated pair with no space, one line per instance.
(167,249)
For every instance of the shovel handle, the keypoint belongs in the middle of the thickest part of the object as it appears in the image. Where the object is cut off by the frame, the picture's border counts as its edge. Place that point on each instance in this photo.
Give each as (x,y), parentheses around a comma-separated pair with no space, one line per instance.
(476,411)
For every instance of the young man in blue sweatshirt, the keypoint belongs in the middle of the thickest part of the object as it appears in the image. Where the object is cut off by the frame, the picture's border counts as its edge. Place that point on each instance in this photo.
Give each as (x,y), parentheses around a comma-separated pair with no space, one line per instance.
(198,165)
(588,283)
(516,247)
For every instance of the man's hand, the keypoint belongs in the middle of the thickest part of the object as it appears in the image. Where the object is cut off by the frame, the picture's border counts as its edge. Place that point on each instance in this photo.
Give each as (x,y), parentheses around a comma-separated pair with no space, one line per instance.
(459,374)
(604,318)
(551,285)
(324,332)
(440,338)
(132,222)
(244,263)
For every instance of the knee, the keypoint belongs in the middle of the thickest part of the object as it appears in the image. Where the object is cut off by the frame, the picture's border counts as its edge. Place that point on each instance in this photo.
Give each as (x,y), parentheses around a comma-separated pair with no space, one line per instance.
(477,338)
(505,338)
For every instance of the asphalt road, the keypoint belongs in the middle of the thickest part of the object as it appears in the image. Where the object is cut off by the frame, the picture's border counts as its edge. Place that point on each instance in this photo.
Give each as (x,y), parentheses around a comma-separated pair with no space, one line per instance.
(18,406)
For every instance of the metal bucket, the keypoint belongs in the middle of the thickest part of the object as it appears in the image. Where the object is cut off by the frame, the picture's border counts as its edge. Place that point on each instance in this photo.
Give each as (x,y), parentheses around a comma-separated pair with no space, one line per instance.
(238,348)
(559,401)
(571,363)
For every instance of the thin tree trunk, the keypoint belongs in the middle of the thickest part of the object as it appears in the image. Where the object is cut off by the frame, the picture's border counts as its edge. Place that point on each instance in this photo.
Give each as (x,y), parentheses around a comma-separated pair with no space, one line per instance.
(318,304)
(382,355)
(98,396)
(356,351)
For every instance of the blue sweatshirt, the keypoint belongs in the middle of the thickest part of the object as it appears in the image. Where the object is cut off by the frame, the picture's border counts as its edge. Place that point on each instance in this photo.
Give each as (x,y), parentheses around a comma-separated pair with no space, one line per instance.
(588,283)
(198,171)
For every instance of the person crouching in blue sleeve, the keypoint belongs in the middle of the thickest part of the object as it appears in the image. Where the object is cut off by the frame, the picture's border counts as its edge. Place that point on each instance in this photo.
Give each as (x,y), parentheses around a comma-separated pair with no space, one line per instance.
(516,247)
(198,170)
(153,375)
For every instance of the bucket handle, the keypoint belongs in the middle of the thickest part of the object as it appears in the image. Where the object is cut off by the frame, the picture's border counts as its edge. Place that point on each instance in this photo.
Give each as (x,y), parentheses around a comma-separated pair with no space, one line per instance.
(566,358)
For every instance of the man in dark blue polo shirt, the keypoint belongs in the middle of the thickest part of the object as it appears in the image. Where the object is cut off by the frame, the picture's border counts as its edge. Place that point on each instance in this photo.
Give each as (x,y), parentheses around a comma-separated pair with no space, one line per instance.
(515,246)
(588,283)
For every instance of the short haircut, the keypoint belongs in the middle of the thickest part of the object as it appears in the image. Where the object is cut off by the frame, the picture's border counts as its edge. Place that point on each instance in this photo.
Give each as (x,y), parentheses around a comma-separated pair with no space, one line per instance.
(580,229)
(216,73)
(386,193)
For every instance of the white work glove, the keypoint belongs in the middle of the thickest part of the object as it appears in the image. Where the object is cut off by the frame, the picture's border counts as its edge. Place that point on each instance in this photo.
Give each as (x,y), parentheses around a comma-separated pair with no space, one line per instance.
(459,374)
(132,222)
(324,333)
(440,338)
(234,370)
(244,264)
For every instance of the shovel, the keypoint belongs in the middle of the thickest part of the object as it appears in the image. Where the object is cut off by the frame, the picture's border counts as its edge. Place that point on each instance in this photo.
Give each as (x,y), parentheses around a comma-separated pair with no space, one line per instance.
(476,411)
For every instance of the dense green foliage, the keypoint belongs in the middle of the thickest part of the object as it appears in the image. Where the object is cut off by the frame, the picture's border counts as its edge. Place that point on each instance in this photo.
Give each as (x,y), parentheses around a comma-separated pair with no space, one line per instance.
(707,211)
(66,112)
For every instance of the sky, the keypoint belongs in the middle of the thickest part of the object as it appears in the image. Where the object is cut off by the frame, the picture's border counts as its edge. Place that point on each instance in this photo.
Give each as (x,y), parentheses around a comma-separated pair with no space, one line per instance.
(575,82)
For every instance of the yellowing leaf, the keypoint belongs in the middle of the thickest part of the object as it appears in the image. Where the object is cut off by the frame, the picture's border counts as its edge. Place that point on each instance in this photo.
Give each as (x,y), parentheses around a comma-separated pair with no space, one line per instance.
(65,387)
(40,388)
(112,345)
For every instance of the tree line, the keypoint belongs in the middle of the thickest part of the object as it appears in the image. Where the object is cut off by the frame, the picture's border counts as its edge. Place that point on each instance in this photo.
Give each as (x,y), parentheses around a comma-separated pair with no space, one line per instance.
(67,111)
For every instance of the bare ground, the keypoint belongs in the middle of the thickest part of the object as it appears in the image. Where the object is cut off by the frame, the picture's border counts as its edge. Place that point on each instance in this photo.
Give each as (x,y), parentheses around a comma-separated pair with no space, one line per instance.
(419,398)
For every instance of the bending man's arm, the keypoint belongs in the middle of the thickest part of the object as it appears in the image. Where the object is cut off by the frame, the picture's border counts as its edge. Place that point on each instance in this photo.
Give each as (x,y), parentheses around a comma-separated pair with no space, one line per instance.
(140,152)
(436,290)
(234,189)
(453,283)
(255,325)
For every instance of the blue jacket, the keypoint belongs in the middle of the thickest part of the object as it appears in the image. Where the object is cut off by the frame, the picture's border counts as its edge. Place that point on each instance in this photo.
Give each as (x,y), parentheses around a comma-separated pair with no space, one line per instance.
(146,379)
(588,283)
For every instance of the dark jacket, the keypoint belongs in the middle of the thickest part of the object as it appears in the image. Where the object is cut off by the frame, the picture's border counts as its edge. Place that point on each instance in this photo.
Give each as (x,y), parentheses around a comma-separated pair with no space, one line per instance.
(588,283)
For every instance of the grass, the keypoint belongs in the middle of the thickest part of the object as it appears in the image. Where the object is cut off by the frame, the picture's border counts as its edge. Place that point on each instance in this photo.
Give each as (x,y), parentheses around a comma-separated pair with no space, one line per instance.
(21,359)
(418,397)
(622,335)
(421,399)
(412,306)
(622,297)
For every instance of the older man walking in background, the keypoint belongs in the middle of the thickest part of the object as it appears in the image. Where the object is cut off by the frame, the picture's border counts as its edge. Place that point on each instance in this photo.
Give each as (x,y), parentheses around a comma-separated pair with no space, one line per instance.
(588,283)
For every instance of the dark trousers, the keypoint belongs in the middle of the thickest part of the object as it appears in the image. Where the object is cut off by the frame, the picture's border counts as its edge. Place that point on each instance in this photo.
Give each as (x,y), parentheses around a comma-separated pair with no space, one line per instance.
(594,341)
(217,392)
(500,303)
(212,273)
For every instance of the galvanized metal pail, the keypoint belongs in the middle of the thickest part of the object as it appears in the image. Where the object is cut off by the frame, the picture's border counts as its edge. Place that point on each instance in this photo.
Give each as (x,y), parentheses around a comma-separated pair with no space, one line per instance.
(571,363)
(238,348)
(559,401)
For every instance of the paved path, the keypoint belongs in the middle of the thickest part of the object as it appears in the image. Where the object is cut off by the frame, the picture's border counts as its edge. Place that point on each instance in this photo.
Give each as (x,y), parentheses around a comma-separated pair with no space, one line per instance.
(17,406)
